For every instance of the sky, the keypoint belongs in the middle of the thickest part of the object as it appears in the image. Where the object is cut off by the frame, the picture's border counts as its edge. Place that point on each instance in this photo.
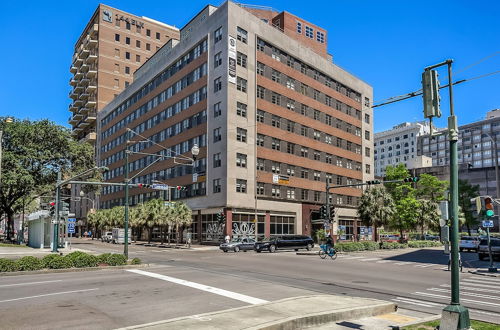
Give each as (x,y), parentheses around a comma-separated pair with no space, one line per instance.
(385,43)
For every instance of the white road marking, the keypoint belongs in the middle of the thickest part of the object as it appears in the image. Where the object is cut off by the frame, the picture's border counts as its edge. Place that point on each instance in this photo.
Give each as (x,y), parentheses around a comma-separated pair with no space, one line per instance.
(478,281)
(48,294)
(404,263)
(417,302)
(485,279)
(384,261)
(465,288)
(28,283)
(479,295)
(447,297)
(424,265)
(474,284)
(202,287)
(370,259)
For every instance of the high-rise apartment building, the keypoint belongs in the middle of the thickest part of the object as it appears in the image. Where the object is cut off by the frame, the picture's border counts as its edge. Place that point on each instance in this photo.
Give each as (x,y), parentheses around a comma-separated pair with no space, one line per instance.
(399,145)
(273,117)
(107,53)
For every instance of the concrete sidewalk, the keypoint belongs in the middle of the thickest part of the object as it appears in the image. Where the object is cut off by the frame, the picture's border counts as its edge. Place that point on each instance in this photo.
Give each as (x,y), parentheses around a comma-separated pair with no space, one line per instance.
(10,252)
(290,313)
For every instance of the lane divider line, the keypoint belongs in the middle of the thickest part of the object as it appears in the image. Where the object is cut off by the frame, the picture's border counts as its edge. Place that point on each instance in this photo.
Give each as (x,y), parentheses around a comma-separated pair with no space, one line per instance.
(202,287)
(48,294)
(27,283)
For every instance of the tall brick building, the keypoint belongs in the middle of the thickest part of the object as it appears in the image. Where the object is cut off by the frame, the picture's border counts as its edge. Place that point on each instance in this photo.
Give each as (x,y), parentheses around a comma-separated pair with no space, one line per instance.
(274,118)
(107,53)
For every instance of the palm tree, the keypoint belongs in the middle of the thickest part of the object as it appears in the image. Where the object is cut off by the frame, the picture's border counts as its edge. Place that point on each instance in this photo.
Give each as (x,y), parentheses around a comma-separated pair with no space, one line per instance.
(182,216)
(427,215)
(376,207)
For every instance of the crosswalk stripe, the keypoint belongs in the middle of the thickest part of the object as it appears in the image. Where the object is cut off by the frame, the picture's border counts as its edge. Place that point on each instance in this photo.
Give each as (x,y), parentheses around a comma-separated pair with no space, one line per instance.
(433,304)
(384,261)
(463,287)
(475,284)
(477,281)
(414,303)
(467,294)
(463,299)
(486,278)
(419,301)
(424,265)
(404,263)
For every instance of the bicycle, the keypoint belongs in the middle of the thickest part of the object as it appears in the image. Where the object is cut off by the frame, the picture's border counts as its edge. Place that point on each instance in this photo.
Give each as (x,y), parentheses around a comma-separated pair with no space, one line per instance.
(323,252)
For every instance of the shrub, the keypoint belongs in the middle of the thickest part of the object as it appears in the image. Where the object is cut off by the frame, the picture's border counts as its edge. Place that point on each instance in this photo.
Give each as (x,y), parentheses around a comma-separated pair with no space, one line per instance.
(117,260)
(29,263)
(350,247)
(80,259)
(55,261)
(135,261)
(370,246)
(103,258)
(8,265)
(393,245)
(422,244)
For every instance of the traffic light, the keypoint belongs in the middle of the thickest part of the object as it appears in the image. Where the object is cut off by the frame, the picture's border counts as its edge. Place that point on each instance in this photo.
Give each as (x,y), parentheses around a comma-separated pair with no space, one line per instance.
(143,185)
(488,207)
(332,212)
(181,188)
(373,182)
(431,98)
(322,212)
(221,217)
(476,205)
(411,179)
(64,209)
(52,208)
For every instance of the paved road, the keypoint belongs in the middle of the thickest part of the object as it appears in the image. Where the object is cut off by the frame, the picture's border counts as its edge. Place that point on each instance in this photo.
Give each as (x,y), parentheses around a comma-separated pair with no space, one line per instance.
(194,282)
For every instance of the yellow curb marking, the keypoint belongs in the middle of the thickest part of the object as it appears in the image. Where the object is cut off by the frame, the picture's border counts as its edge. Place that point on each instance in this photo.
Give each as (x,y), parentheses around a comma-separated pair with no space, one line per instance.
(394,317)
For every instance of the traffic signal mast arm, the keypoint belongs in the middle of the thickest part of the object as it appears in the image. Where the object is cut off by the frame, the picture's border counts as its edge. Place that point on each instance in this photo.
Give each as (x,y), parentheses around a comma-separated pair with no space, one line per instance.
(372,182)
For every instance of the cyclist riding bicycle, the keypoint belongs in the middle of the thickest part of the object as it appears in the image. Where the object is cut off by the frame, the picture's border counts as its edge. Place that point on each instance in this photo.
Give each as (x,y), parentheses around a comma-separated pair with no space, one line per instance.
(329,243)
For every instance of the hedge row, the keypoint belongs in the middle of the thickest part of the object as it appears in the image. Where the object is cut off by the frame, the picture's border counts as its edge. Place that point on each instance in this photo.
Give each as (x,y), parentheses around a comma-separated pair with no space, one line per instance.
(75,259)
(371,246)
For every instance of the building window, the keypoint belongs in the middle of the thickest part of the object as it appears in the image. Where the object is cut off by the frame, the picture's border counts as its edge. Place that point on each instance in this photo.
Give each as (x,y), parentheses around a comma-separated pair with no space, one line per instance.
(309,32)
(276,144)
(218,35)
(217,160)
(241,109)
(127,40)
(126,84)
(320,37)
(241,35)
(216,186)
(299,27)
(138,43)
(317,176)
(217,109)
(158,35)
(261,45)
(367,135)
(117,83)
(217,59)
(261,92)
(117,52)
(260,116)
(217,84)
(148,46)
(304,173)
(317,196)
(137,58)
(367,152)
(275,191)
(241,160)
(304,152)
(241,84)
(127,55)
(117,37)
(304,194)
(241,185)
(290,193)
(290,148)
(241,60)
(241,134)
(148,32)
(275,121)
(368,169)
(260,140)
(127,25)
(276,76)
(367,118)
(303,131)
(276,98)
(117,67)
(260,188)
(217,135)
(260,68)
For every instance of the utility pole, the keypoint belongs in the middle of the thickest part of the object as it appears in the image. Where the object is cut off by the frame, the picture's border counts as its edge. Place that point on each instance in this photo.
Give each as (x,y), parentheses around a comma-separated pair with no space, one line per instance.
(454,316)
(55,241)
(125,224)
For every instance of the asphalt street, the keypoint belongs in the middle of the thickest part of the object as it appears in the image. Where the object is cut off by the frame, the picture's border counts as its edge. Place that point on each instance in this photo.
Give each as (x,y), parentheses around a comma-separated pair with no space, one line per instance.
(190,282)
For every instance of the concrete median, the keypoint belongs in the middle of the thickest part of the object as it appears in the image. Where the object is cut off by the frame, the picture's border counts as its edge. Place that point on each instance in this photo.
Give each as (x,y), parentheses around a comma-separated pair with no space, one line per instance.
(290,313)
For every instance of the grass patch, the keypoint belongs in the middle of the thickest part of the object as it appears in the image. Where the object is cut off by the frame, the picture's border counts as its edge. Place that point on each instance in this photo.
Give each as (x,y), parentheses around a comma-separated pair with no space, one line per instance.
(13,245)
(476,325)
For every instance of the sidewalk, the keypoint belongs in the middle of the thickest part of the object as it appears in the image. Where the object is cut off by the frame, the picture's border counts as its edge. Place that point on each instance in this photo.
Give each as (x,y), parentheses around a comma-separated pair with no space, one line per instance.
(10,252)
(290,313)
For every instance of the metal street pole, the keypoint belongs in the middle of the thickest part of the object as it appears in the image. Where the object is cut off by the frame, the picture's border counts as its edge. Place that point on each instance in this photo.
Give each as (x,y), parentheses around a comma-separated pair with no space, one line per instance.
(494,141)
(125,226)
(55,241)
(327,205)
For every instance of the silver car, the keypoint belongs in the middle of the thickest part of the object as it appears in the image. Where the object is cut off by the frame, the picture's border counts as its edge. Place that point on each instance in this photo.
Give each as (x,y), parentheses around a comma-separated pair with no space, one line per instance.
(238,244)
(469,243)
(483,248)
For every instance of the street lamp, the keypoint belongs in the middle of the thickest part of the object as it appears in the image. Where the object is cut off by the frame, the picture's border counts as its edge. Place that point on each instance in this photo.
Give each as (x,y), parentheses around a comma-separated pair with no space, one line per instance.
(7,120)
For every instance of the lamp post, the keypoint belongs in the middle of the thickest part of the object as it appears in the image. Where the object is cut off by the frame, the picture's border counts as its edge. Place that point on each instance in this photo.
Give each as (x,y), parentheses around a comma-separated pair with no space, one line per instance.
(7,120)
(82,196)
(195,150)
(497,174)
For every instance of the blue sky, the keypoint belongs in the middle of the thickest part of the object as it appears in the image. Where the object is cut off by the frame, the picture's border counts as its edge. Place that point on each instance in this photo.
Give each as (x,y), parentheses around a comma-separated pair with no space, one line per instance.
(385,43)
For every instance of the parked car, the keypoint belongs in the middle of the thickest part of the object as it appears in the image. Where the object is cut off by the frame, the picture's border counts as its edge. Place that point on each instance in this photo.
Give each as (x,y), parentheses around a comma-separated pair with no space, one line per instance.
(429,237)
(468,243)
(107,237)
(291,242)
(238,244)
(389,238)
(483,248)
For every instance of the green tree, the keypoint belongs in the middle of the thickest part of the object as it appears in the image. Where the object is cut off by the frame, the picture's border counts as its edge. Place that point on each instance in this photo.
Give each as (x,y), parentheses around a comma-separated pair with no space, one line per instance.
(398,190)
(182,216)
(466,191)
(427,215)
(405,215)
(33,153)
(376,207)
(431,188)
(154,210)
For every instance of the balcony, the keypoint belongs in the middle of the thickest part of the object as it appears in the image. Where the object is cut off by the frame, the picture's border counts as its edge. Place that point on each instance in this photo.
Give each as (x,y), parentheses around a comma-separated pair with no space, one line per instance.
(84,53)
(91,73)
(84,68)
(84,81)
(73,82)
(72,120)
(78,62)
(91,117)
(83,111)
(93,30)
(78,103)
(92,58)
(91,88)
(84,96)
(77,116)
(90,137)
(73,69)
(73,108)
(91,103)
(73,95)
(78,75)
(78,89)
(91,42)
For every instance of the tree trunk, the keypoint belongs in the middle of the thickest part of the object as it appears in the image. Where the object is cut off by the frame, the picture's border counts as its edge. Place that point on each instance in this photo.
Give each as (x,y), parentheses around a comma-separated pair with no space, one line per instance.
(150,234)
(176,235)
(468,229)
(168,235)
(10,224)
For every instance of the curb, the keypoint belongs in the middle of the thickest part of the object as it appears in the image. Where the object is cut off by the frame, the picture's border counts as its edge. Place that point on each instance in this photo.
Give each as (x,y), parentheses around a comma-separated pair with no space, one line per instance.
(484,273)
(69,270)
(298,321)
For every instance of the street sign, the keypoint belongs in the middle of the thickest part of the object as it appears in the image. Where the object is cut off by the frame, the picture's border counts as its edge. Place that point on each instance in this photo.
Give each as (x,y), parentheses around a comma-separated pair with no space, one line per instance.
(159,186)
(195,177)
(168,203)
(71,227)
(487,223)
(71,219)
